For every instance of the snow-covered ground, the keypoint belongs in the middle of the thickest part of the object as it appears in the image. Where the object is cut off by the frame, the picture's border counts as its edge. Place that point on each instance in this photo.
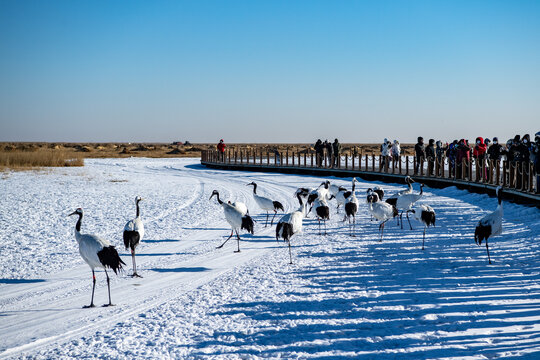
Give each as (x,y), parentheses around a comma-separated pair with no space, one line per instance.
(342,297)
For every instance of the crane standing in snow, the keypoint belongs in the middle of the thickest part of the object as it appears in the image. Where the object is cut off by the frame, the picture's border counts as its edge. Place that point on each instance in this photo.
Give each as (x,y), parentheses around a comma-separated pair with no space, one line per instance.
(291,224)
(133,234)
(235,218)
(322,211)
(490,225)
(404,202)
(343,195)
(266,204)
(351,207)
(382,211)
(98,253)
(426,215)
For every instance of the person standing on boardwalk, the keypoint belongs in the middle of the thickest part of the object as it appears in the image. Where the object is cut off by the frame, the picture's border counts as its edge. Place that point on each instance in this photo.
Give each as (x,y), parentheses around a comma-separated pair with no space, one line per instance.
(420,154)
(430,155)
(328,148)
(336,147)
(385,152)
(395,151)
(221,148)
(318,152)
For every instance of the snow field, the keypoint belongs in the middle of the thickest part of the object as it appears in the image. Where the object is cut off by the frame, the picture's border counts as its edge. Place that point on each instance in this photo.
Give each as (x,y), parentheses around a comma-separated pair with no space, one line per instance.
(342,297)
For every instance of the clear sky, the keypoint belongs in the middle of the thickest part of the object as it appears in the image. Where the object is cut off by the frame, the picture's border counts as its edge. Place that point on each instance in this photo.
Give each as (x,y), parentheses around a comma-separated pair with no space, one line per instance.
(268,71)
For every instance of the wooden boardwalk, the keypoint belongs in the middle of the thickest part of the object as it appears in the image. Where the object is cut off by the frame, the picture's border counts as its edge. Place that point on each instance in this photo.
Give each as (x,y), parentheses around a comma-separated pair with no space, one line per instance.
(518,180)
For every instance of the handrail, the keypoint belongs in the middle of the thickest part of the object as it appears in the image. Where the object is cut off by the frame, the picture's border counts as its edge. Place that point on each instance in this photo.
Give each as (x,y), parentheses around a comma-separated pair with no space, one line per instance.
(518,177)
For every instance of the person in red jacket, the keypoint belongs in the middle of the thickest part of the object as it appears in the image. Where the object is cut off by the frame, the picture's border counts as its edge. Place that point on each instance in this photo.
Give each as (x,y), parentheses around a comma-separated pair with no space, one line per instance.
(479,153)
(221,148)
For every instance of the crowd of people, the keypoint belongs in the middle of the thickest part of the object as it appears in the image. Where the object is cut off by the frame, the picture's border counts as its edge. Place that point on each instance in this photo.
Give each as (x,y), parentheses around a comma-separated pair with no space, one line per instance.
(516,152)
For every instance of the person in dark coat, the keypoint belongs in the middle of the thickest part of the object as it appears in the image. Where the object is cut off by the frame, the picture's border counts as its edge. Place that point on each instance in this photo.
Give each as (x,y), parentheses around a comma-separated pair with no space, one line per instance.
(430,155)
(319,151)
(537,160)
(328,147)
(336,147)
(479,154)
(451,154)
(420,154)
(496,150)
(463,156)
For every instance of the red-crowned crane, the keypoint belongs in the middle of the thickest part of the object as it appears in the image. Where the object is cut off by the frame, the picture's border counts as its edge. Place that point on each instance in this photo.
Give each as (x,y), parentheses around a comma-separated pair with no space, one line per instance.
(382,211)
(235,218)
(266,204)
(490,225)
(322,211)
(98,253)
(343,195)
(290,224)
(133,234)
(426,215)
(351,207)
(405,202)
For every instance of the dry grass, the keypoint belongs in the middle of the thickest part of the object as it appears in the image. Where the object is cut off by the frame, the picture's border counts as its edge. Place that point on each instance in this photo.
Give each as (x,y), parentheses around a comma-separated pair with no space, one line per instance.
(16,155)
(19,159)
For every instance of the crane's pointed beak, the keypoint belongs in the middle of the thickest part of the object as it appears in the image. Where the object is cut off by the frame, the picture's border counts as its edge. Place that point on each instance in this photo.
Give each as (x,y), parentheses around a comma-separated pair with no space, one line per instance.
(73,213)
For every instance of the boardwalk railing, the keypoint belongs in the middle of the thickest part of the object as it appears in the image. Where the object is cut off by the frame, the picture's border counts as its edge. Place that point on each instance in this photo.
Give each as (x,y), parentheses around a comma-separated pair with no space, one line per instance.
(511,175)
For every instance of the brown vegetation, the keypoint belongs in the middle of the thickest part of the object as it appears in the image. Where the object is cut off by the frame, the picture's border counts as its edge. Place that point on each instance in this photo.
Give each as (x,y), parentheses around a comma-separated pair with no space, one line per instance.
(27,155)
(22,159)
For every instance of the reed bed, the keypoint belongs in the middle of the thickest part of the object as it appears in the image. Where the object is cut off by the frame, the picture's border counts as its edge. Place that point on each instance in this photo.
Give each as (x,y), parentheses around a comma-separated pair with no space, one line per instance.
(18,159)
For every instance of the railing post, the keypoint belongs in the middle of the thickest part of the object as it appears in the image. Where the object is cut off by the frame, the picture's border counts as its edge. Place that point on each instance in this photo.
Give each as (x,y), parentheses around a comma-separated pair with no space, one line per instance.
(504,169)
(346,161)
(275,158)
(373,162)
(406,164)
(267,158)
(352,161)
(299,159)
(311,153)
(287,156)
(497,172)
(293,158)
(421,166)
(325,158)
(531,177)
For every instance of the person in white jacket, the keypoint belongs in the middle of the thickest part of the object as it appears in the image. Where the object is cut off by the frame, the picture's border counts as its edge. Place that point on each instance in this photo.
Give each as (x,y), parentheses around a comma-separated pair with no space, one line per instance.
(396,150)
(385,152)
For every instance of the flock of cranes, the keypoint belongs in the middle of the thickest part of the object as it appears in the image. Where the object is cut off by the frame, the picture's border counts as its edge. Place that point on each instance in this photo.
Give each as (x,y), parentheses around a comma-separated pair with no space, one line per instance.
(99,253)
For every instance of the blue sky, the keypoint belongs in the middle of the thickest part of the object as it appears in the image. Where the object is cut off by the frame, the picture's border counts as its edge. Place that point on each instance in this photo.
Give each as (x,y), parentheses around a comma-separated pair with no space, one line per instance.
(268,71)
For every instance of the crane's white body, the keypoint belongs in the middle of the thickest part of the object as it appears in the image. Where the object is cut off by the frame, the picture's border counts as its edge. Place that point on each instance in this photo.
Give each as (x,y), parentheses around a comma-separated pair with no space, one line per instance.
(493,220)
(295,219)
(426,215)
(264,203)
(381,210)
(240,206)
(89,246)
(135,225)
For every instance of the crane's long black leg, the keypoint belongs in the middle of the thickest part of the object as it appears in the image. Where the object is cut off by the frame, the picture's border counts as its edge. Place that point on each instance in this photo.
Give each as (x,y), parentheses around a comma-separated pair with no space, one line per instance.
(266,223)
(401,219)
(273,217)
(108,288)
(319,220)
(407,213)
(325,233)
(93,288)
(134,265)
(238,241)
(424,238)
(220,246)
(487,248)
(382,229)
(290,253)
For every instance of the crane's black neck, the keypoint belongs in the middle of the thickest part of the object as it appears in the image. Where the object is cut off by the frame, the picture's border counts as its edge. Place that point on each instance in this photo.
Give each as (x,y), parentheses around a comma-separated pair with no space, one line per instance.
(137,204)
(299,199)
(421,189)
(499,196)
(218,199)
(353,185)
(78,225)
(254,188)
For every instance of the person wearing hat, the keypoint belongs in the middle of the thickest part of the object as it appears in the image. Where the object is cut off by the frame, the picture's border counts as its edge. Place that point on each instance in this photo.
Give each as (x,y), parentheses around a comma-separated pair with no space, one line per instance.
(221,148)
